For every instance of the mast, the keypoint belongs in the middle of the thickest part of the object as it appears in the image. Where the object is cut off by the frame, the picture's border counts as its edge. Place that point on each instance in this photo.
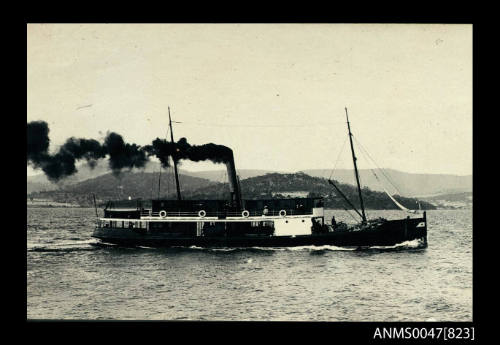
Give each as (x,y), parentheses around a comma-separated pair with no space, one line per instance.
(355,168)
(174,159)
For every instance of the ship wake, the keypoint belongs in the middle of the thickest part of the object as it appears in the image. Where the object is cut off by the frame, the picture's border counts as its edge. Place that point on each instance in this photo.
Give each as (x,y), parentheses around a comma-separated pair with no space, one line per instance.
(65,246)
(68,246)
(407,245)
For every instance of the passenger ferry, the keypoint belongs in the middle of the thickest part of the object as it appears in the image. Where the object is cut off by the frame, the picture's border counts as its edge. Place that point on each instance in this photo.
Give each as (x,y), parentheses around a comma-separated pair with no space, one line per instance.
(248,223)
(262,223)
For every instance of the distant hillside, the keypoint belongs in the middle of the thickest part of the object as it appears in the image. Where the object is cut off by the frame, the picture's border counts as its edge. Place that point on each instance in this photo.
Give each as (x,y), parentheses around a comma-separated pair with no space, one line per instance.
(451,201)
(408,184)
(32,187)
(221,175)
(275,185)
(134,184)
(40,182)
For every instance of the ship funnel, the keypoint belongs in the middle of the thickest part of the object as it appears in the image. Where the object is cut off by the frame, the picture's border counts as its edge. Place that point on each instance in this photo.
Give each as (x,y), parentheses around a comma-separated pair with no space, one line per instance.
(233,183)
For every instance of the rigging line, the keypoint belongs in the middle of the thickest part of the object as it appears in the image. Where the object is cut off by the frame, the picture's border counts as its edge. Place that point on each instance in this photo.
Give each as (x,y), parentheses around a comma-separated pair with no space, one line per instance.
(335,166)
(402,207)
(381,170)
(345,198)
(373,172)
(365,154)
(349,212)
(253,125)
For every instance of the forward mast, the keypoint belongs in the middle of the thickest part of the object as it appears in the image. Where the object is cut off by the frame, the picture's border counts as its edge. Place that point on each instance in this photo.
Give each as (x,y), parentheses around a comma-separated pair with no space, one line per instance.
(356,169)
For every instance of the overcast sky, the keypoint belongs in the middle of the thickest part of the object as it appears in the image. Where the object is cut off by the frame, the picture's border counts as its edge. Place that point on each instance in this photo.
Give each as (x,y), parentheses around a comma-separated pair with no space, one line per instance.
(274,93)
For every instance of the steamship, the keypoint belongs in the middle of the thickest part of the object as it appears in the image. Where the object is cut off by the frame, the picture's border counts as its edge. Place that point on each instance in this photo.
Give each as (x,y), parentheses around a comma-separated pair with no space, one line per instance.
(237,222)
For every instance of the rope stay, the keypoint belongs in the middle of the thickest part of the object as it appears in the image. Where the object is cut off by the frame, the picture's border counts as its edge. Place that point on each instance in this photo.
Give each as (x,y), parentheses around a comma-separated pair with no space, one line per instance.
(390,196)
(212,124)
(331,174)
(349,212)
(379,168)
(364,151)
(345,198)
(338,158)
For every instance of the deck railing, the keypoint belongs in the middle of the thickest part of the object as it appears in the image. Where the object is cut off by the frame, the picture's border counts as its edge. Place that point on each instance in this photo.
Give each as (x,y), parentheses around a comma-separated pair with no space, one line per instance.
(149,213)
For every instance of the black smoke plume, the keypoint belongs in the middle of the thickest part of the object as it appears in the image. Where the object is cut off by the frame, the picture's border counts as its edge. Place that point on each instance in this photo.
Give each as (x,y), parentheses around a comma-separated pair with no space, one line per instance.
(180,150)
(62,163)
(38,140)
(121,155)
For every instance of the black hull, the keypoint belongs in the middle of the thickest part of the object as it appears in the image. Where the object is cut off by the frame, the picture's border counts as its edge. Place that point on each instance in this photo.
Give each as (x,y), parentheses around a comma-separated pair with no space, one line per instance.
(387,234)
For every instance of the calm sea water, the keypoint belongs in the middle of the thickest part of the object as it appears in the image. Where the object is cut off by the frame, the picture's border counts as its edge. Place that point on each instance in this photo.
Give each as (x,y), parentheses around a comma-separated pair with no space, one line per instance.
(70,278)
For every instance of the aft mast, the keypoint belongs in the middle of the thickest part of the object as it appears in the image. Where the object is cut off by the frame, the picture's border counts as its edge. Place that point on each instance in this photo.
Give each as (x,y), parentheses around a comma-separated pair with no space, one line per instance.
(355,169)
(174,158)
